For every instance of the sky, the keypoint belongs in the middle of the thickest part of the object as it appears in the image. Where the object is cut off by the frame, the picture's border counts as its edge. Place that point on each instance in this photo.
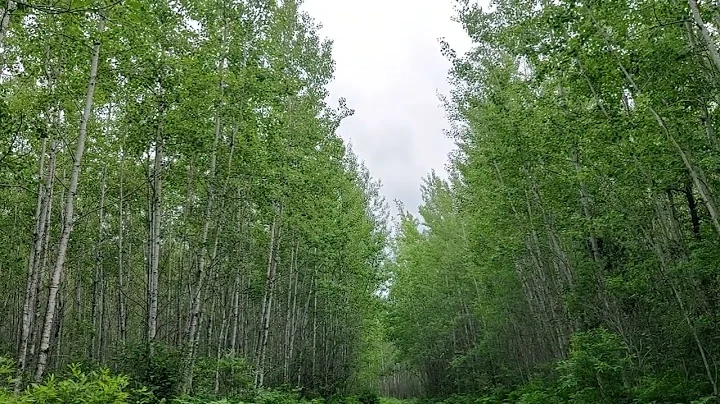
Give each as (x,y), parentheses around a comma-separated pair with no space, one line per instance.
(390,69)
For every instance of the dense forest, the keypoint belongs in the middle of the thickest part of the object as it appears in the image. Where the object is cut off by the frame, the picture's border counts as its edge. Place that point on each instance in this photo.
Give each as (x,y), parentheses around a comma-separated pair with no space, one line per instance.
(175,203)
(181,220)
(572,253)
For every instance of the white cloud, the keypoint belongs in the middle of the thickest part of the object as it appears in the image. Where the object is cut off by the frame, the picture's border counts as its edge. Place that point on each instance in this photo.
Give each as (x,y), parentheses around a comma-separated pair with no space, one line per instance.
(389,67)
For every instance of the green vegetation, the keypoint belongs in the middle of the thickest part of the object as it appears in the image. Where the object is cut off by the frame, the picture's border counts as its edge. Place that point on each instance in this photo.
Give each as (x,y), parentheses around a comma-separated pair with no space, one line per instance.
(181,222)
(175,203)
(572,253)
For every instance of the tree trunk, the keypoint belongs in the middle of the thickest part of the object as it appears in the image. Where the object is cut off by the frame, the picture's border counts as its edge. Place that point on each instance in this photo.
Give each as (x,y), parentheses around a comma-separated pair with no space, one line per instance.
(686,316)
(154,247)
(289,315)
(5,13)
(219,349)
(40,272)
(267,301)
(692,208)
(69,212)
(29,307)
(709,43)
(122,315)
(97,295)
(196,304)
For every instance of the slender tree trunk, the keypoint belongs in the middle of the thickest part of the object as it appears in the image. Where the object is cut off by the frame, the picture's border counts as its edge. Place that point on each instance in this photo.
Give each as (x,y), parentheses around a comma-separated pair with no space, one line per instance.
(709,43)
(293,318)
(29,308)
(219,349)
(678,298)
(289,314)
(5,13)
(267,301)
(41,271)
(314,331)
(97,298)
(122,315)
(69,212)
(235,313)
(154,247)
(196,305)
(197,298)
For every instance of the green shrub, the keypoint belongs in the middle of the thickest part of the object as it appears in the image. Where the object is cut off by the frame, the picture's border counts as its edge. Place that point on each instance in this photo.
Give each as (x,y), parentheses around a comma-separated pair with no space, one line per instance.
(368,396)
(597,369)
(235,378)
(7,373)
(160,373)
(196,400)
(276,397)
(94,388)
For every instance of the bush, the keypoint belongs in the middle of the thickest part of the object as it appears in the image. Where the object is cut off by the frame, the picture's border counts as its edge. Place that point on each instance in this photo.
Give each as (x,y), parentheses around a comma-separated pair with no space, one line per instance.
(7,371)
(93,388)
(369,397)
(597,369)
(234,373)
(276,397)
(159,374)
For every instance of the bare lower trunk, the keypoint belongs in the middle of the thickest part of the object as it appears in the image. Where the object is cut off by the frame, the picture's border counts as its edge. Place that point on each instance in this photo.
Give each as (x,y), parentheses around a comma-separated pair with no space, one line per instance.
(686,316)
(293,320)
(235,312)
(314,329)
(69,212)
(289,314)
(29,307)
(41,271)
(154,247)
(196,304)
(122,316)
(237,291)
(267,302)
(219,349)
(97,295)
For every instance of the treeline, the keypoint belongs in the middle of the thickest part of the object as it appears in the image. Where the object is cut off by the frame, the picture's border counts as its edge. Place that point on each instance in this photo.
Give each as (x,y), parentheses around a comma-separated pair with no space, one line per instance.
(573,253)
(175,203)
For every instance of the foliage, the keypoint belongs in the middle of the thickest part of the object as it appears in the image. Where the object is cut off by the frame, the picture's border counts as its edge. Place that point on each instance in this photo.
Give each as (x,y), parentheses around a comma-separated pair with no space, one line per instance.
(369,396)
(571,253)
(233,373)
(80,387)
(159,372)
(221,236)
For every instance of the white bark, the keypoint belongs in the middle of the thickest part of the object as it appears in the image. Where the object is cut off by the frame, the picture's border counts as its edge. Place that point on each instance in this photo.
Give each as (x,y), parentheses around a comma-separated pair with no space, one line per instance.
(40,271)
(122,317)
(69,212)
(196,305)
(5,13)
(709,43)
(267,301)
(154,247)
(32,275)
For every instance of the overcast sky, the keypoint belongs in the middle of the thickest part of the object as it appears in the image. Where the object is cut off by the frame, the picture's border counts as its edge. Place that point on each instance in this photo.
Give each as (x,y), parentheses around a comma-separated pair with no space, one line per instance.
(389,67)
